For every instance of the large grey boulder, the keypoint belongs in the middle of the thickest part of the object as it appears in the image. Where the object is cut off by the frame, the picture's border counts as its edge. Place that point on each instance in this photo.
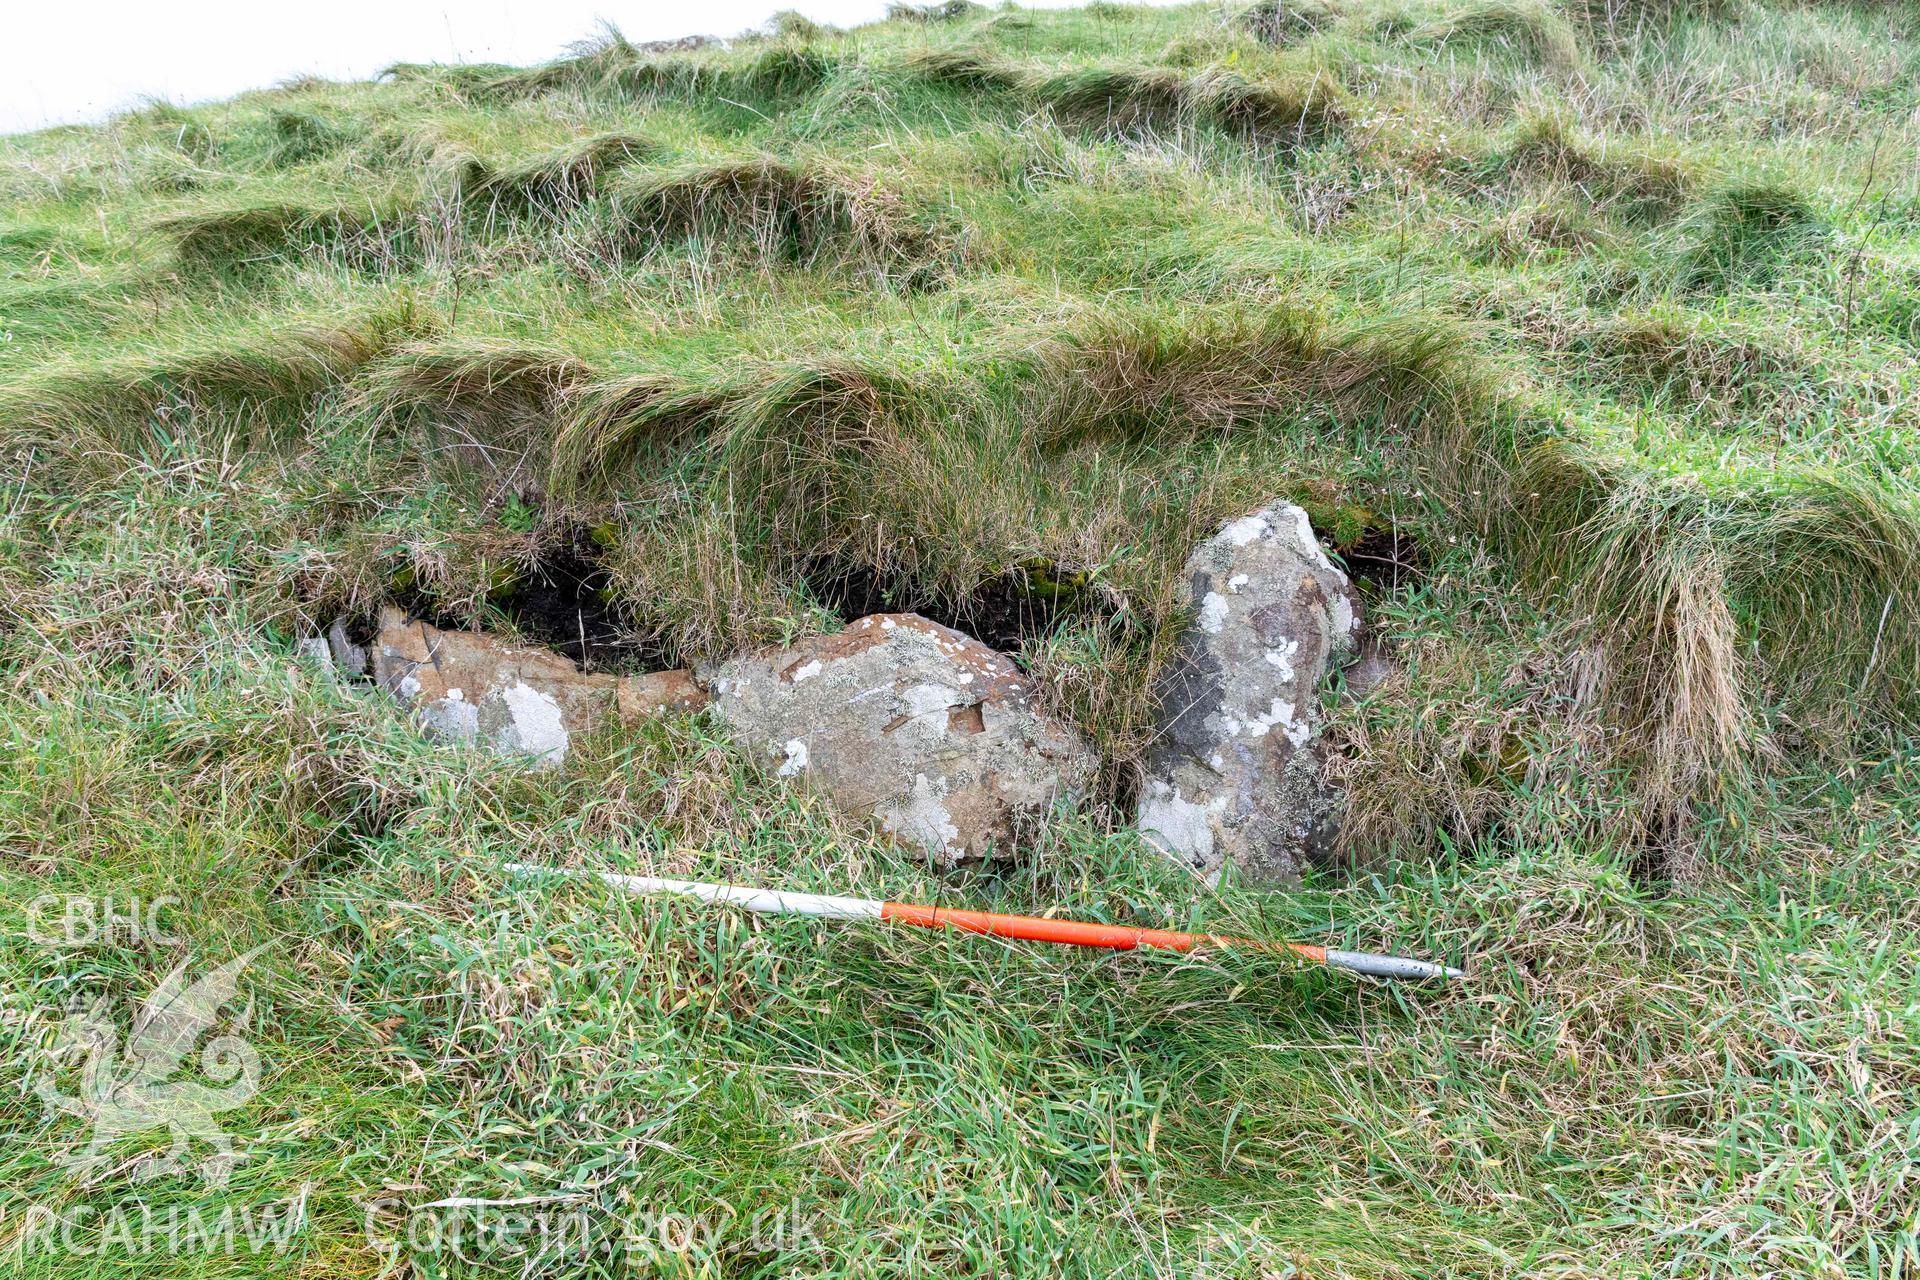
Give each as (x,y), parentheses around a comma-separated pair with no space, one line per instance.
(927,731)
(471,687)
(1235,774)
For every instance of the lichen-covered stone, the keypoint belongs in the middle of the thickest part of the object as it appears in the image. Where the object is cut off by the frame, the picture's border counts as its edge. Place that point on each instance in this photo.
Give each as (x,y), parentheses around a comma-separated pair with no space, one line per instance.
(468,686)
(927,731)
(1234,775)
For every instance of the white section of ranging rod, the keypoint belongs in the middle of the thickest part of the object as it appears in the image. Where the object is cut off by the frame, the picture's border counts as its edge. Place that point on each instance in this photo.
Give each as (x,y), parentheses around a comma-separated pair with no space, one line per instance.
(765,901)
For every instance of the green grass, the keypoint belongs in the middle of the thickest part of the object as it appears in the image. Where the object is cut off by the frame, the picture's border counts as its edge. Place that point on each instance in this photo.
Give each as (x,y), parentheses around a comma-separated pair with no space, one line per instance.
(1605,312)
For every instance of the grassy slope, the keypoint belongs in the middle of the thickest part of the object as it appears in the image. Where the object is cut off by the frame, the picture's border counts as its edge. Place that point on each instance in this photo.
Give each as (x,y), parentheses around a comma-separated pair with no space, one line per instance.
(1616,319)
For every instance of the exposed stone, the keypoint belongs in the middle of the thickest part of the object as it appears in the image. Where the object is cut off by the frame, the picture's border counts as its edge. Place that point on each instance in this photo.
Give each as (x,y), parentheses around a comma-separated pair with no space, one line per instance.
(657,693)
(348,657)
(681,44)
(1235,774)
(924,729)
(467,686)
(313,649)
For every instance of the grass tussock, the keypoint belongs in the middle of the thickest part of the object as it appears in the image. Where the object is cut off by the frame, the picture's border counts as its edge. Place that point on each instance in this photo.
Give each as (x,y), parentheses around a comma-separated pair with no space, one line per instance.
(805,433)
(610,424)
(553,182)
(775,424)
(1618,19)
(590,65)
(1675,357)
(967,69)
(1545,227)
(237,241)
(1529,29)
(178,129)
(786,213)
(811,442)
(96,418)
(614,67)
(1126,99)
(301,137)
(481,408)
(1744,234)
(791,24)
(1696,581)
(1284,22)
(1138,376)
(1629,182)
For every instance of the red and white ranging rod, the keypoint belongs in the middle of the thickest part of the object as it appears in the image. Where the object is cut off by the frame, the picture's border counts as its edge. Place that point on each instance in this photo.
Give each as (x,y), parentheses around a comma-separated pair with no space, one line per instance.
(1079,933)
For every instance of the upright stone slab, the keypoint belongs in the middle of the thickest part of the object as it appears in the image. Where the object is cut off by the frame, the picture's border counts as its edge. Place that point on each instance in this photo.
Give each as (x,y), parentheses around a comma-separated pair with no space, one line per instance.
(1235,774)
(899,719)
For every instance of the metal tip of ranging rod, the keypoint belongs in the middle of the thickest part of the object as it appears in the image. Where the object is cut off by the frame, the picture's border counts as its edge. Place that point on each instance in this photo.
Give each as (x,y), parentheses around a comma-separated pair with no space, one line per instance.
(1379,966)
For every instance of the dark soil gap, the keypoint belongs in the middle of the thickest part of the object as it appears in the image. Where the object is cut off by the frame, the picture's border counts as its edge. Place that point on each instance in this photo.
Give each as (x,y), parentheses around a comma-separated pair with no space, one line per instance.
(564,601)
(1653,862)
(1383,559)
(1001,613)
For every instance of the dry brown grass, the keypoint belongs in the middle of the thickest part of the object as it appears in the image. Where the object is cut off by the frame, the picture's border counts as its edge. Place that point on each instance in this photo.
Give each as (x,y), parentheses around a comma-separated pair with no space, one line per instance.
(484,408)
(1130,374)
(1615,178)
(96,417)
(1471,735)
(554,182)
(1127,99)
(788,213)
(1651,575)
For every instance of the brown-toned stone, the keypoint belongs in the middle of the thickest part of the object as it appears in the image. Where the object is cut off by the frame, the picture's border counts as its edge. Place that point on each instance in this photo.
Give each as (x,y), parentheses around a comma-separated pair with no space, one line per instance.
(469,686)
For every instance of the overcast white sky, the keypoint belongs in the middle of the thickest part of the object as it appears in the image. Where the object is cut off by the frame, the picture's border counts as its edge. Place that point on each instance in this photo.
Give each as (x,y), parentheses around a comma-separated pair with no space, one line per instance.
(82,60)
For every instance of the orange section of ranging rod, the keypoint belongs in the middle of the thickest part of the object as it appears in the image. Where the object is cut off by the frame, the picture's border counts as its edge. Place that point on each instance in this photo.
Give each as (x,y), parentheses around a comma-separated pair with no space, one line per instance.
(1079,933)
